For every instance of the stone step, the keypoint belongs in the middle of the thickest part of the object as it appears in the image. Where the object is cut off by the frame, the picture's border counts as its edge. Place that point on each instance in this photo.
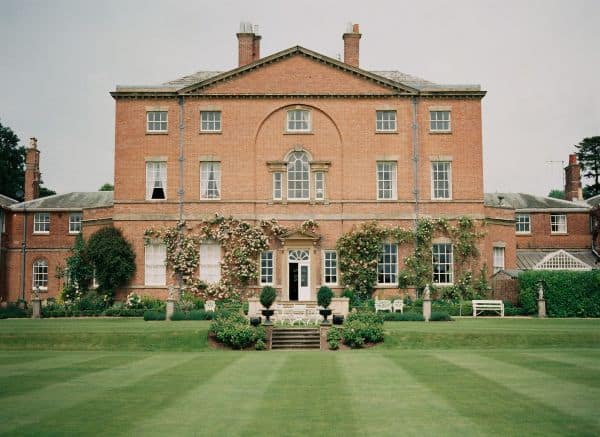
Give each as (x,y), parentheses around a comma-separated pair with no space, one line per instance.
(296,337)
(295,346)
(295,340)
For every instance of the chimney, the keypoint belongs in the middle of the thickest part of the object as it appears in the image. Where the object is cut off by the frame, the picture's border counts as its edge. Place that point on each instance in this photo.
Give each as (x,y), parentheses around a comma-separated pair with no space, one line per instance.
(351,44)
(573,179)
(248,44)
(32,171)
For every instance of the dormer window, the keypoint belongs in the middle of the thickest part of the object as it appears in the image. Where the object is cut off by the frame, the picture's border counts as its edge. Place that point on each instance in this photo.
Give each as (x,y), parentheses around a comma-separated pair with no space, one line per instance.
(298,120)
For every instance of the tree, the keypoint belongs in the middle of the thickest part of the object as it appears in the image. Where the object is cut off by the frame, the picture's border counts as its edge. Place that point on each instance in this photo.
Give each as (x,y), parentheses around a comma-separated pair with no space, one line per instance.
(588,155)
(12,163)
(107,187)
(45,192)
(557,194)
(112,257)
(80,269)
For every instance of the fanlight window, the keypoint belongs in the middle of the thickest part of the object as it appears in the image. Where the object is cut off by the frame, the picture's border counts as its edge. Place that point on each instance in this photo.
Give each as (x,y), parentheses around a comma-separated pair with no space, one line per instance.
(298,255)
(561,260)
(298,171)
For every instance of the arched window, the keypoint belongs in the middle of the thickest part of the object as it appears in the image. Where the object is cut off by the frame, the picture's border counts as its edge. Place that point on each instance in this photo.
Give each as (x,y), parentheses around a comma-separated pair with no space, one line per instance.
(298,171)
(40,274)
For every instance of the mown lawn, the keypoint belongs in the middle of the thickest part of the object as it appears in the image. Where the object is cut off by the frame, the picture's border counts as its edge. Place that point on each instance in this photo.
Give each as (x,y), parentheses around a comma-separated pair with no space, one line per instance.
(469,377)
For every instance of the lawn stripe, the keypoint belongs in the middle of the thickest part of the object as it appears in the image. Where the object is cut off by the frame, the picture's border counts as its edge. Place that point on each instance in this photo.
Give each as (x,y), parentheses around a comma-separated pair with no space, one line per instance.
(548,392)
(55,360)
(8,359)
(571,372)
(389,399)
(37,379)
(66,395)
(126,406)
(478,398)
(583,358)
(219,404)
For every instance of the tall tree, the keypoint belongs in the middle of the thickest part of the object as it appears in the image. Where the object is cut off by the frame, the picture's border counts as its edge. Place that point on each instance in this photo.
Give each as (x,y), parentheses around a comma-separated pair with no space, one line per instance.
(107,187)
(588,155)
(557,194)
(12,163)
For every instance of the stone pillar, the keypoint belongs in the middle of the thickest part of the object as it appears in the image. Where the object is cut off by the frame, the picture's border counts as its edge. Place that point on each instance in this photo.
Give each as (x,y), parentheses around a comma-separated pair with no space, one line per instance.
(170,308)
(36,305)
(541,308)
(269,332)
(324,330)
(426,303)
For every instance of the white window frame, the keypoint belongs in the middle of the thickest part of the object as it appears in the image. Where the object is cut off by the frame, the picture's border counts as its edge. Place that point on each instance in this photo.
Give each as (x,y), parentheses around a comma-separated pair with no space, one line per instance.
(435,121)
(277,185)
(75,226)
(41,223)
(295,119)
(210,269)
(154,125)
(40,274)
(305,176)
(434,180)
(209,192)
(558,221)
(440,274)
(267,257)
(319,185)
(210,121)
(380,171)
(156,177)
(155,266)
(386,121)
(520,222)
(387,250)
(498,255)
(330,267)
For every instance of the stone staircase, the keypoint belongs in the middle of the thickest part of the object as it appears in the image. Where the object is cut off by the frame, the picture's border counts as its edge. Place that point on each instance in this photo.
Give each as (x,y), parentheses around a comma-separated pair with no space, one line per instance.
(296,338)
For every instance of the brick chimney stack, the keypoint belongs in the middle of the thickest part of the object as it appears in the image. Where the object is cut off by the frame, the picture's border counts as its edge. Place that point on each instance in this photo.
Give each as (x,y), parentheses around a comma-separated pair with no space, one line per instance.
(351,44)
(32,171)
(248,44)
(573,179)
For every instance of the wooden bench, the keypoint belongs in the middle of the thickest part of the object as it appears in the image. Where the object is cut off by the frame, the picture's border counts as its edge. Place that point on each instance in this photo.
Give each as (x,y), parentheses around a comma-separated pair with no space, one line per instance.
(480,306)
(383,305)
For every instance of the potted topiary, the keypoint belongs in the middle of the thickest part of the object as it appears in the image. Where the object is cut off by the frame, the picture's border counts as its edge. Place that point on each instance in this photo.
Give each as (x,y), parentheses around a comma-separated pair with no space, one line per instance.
(324,296)
(267,297)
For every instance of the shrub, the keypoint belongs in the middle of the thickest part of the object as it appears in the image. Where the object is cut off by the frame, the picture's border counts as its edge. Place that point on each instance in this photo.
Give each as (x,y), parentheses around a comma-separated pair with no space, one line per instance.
(403,317)
(13,311)
(233,330)
(567,294)
(152,303)
(260,345)
(124,312)
(154,315)
(334,336)
(92,302)
(178,315)
(189,301)
(370,317)
(133,300)
(324,296)
(267,296)
(362,327)
(439,316)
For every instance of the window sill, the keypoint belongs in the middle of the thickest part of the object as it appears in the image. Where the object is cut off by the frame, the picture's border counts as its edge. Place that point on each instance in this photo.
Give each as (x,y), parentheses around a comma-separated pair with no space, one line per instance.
(41,289)
(74,233)
(384,132)
(298,132)
(440,132)
(559,233)
(387,286)
(445,284)
(386,200)
(441,200)
(523,233)
(212,199)
(157,133)
(156,200)
(210,132)
(155,286)
(41,233)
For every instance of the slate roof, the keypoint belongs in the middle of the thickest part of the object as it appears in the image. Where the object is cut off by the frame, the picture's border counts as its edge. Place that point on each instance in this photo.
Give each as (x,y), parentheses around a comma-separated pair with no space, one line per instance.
(68,201)
(529,202)
(6,201)
(528,258)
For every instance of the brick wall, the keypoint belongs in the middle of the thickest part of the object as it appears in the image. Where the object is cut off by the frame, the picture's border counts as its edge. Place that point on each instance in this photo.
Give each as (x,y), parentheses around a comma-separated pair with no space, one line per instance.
(578,234)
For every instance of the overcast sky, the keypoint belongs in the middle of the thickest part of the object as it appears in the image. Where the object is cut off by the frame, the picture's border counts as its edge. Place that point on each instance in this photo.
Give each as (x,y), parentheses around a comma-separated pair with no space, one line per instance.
(538,60)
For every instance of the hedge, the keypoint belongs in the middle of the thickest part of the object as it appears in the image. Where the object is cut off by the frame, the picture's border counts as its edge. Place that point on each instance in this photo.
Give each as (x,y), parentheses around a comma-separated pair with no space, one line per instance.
(567,293)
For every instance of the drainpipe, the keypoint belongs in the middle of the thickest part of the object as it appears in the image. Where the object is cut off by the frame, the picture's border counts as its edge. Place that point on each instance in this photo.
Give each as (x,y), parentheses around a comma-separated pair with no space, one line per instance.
(415,158)
(23,252)
(180,190)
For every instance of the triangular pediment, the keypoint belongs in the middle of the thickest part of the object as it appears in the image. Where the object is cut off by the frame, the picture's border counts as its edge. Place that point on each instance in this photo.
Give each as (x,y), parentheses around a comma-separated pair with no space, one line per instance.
(300,234)
(297,71)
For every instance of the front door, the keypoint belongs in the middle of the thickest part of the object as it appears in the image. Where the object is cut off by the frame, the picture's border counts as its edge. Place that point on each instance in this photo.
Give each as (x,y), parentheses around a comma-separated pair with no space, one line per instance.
(299,275)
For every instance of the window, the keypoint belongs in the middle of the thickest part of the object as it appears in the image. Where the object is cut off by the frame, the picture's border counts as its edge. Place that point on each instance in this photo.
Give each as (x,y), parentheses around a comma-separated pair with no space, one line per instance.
(523,223)
(41,223)
(558,223)
(210,180)
(155,272)
(386,181)
(40,274)
(298,176)
(156,180)
(442,263)
(319,185)
(266,267)
(441,180)
(298,120)
(439,121)
(277,186)
(385,121)
(387,264)
(210,121)
(330,267)
(75,223)
(498,260)
(210,262)
(156,121)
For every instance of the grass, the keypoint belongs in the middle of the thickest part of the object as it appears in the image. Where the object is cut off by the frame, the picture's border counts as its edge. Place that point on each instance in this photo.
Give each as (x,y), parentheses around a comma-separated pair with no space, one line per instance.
(469,377)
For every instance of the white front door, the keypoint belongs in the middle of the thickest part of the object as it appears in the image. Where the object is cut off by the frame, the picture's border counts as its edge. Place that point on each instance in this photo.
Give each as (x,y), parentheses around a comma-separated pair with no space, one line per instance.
(303,281)
(299,275)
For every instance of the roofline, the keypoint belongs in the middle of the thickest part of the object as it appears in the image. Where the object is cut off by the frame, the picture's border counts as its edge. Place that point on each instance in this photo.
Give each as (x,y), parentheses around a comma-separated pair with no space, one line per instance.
(577,209)
(16,209)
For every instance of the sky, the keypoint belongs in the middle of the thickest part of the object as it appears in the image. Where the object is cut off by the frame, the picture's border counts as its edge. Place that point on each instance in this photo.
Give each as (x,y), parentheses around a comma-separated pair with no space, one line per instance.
(539,61)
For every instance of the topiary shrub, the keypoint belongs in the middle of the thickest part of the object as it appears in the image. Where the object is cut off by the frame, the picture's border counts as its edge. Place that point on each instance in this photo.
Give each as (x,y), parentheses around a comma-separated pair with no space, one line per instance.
(438,316)
(324,296)
(267,296)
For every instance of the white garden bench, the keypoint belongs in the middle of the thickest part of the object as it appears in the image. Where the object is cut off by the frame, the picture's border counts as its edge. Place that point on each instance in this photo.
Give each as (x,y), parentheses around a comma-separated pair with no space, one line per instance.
(210,305)
(480,306)
(383,305)
(398,305)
